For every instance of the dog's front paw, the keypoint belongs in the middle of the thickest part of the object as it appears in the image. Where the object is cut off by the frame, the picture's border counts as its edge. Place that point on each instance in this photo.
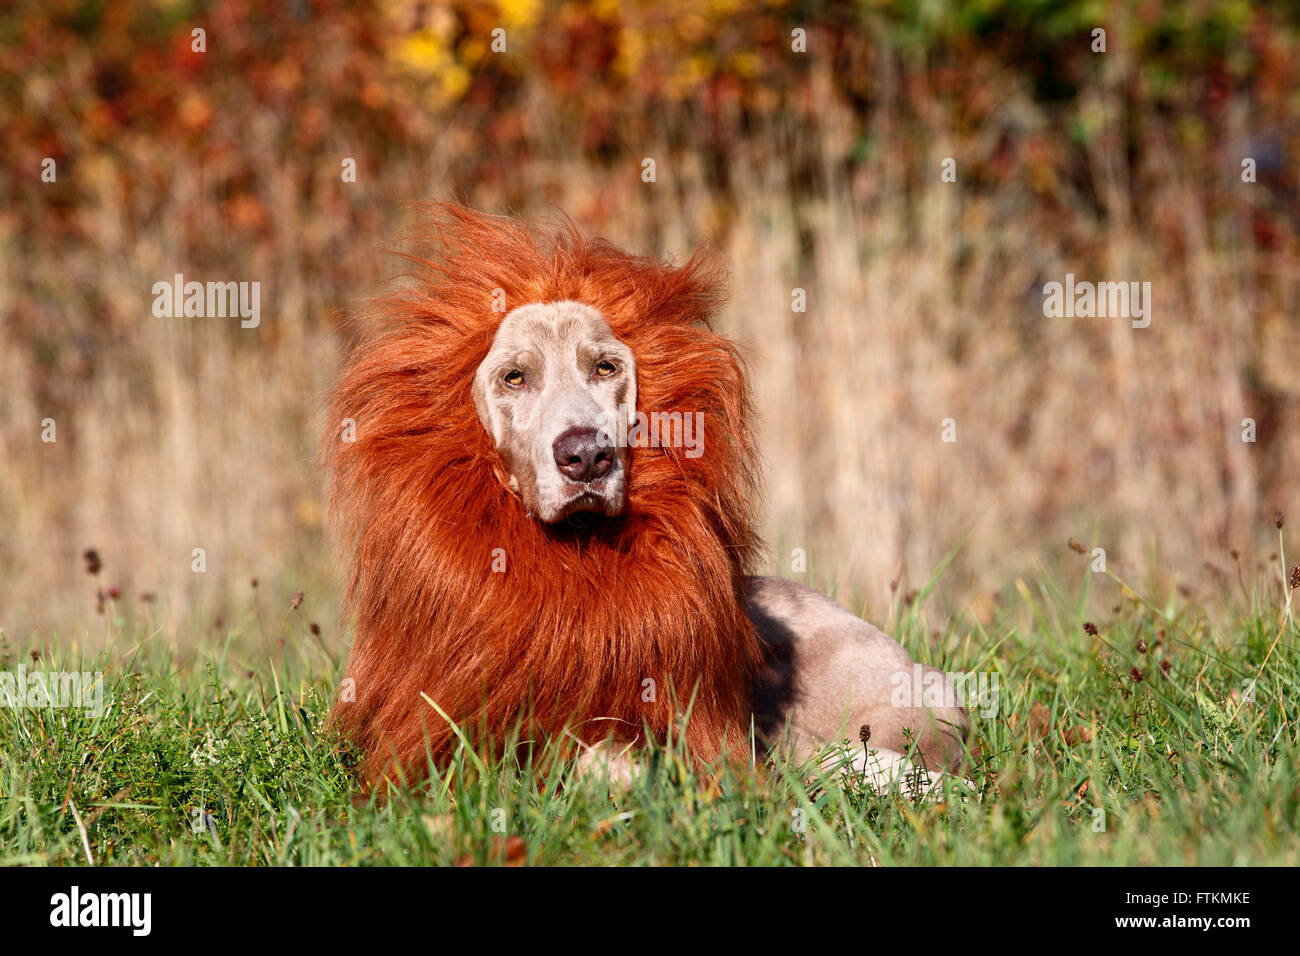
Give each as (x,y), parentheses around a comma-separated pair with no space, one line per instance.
(883,771)
(609,762)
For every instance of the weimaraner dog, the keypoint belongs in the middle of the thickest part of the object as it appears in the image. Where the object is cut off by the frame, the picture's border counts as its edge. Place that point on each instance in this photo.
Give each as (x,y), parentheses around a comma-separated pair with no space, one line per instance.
(828,675)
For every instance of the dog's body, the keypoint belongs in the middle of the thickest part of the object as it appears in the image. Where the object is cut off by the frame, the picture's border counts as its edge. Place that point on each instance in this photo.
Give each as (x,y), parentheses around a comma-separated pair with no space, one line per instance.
(828,674)
(526,554)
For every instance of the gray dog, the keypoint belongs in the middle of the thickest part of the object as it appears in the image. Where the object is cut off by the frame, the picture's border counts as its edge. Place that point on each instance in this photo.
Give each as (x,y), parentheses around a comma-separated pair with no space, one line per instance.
(555,391)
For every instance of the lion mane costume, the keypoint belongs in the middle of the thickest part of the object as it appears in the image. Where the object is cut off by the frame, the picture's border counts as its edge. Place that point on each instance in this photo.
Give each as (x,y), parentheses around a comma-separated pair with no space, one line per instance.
(464,601)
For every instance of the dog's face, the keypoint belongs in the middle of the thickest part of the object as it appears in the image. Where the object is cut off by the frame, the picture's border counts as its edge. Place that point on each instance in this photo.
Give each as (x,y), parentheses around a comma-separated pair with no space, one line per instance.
(551,393)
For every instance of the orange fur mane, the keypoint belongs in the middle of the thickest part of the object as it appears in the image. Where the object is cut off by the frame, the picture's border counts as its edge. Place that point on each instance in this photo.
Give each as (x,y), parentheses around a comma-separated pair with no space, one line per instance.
(566,635)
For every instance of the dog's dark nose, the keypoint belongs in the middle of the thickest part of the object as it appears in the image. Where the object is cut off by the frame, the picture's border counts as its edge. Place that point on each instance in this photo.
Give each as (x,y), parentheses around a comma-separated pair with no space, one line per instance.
(583,454)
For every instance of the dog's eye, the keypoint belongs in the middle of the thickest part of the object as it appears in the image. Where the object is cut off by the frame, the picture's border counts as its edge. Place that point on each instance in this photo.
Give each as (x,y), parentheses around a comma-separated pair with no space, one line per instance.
(514,378)
(605,369)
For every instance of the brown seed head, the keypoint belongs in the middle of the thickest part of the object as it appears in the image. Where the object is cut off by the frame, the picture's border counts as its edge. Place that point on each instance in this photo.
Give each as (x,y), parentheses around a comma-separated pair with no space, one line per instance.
(1089,628)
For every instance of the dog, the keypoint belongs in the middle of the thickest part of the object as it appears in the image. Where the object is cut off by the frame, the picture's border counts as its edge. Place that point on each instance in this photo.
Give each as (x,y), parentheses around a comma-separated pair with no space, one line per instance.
(544,471)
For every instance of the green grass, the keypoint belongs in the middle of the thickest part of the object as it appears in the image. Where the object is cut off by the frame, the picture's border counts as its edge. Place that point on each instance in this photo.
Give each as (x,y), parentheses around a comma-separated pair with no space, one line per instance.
(220,757)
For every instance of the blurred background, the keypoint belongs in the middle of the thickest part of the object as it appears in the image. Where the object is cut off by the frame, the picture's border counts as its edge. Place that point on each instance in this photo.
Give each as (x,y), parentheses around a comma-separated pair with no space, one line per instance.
(817,170)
